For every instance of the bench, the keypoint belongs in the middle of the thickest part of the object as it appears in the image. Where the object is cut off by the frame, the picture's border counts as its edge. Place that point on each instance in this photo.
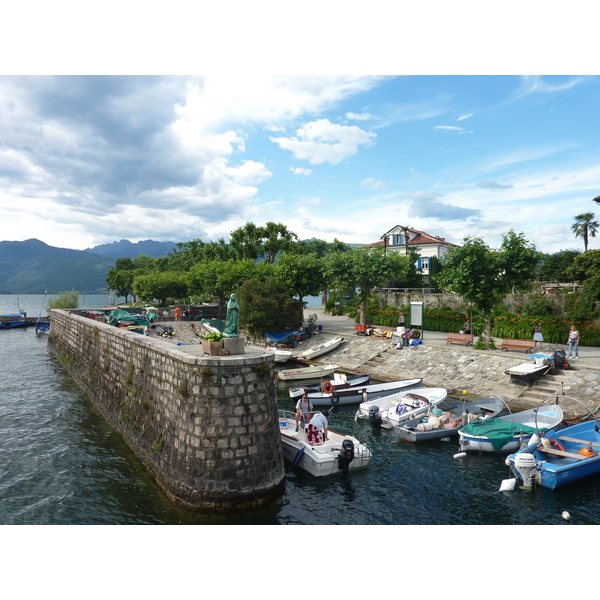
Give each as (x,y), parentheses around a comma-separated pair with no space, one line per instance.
(563,454)
(459,338)
(512,344)
(564,438)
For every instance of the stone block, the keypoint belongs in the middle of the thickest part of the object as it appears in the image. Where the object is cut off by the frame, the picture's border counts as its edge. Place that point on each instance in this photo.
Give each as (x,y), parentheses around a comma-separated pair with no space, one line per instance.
(235,345)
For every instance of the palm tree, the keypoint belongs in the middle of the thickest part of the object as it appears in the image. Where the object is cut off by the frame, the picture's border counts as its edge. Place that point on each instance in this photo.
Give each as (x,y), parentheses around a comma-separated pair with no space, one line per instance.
(585,226)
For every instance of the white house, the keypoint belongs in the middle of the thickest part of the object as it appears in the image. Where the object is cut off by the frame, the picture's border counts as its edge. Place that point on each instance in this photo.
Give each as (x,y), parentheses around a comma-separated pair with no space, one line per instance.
(424,244)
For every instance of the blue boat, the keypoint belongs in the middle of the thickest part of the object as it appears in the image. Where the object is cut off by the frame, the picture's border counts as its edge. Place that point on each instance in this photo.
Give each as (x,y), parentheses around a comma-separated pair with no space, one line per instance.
(559,456)
(12,320)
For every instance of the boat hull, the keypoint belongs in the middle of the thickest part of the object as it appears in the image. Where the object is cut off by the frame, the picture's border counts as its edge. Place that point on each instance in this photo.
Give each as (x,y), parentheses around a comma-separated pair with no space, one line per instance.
(357,395)
(351,382)
(306,373)
(321,460)
(13,320)
(328,346)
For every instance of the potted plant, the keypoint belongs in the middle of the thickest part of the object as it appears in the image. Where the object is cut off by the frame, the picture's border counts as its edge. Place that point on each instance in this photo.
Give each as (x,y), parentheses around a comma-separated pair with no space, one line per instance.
(212,343)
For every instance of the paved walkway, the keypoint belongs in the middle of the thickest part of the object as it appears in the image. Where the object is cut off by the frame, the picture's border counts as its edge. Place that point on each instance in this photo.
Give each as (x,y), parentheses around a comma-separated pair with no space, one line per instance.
(589,357)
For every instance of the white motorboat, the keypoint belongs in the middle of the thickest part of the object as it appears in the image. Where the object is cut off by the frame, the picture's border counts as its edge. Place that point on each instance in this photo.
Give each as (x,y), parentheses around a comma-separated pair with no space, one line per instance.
(281,356)
(312,372)
(508,433)
(328,346)
(340,381)
(363,393)
(396,409)
(338,454)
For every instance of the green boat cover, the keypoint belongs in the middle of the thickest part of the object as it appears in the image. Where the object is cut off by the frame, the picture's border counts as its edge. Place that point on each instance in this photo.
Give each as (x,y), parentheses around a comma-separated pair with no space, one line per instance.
(116,315)
(218,323)
(497,431)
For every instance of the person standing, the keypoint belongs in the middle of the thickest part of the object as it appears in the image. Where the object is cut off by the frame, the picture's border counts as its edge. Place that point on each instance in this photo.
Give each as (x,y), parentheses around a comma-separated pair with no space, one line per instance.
(537,335)
(177,314)
(573,342)
(317,432)
(304,409)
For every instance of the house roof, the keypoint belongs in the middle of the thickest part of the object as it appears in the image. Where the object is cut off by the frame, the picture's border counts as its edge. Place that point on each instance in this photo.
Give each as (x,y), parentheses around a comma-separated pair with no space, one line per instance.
(420,239)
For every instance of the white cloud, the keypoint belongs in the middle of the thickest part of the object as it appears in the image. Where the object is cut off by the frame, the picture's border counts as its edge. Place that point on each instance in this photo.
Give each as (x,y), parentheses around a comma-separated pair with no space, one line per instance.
(300,171)
(321,142)
(534,84)
(372,184)
(450,128)
(250,173)
(465,117)
(359,117)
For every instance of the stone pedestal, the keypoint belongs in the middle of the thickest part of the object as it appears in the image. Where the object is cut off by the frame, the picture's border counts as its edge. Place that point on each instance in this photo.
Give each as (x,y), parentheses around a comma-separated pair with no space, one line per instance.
(235,345)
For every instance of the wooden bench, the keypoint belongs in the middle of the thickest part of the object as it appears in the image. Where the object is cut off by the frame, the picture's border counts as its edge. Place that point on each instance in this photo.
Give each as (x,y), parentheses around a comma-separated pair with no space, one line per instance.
(512,344)
(565,438)
(459,338)
(563,454)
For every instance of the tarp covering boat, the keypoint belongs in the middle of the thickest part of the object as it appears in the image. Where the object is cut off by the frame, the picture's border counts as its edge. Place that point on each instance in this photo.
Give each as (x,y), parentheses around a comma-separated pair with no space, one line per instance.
(497,431)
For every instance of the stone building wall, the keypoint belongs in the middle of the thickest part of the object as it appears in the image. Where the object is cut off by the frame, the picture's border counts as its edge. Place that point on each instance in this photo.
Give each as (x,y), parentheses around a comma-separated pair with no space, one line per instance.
(205,427)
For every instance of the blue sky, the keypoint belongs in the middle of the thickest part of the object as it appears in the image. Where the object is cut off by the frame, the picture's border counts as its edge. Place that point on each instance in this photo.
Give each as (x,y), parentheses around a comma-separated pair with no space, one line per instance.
(90,159)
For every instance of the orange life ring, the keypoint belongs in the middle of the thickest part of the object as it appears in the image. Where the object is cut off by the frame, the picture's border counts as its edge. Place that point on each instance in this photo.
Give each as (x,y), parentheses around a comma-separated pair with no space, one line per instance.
(556,445)
(327,387)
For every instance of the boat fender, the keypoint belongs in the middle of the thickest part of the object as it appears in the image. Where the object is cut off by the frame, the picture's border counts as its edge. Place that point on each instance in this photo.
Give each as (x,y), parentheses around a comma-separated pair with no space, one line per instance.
(298,457)
(556,445)
(335,399)
(460,455)
(587,451)
(327,387)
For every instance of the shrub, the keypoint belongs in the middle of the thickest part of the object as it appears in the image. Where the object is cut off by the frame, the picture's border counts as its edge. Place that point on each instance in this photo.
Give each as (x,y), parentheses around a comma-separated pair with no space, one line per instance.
(65,300)
(213,336)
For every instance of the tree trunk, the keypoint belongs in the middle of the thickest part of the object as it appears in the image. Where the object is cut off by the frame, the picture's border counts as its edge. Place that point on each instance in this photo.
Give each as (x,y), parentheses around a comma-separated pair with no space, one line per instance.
(363,310)
(486,335)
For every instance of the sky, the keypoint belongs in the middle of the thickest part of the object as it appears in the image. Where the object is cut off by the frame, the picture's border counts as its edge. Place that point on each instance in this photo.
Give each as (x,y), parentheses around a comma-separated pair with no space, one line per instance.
(103,155)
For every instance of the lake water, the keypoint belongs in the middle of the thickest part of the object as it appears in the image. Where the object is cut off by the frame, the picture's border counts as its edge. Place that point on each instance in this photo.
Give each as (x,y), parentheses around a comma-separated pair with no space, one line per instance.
(61,464)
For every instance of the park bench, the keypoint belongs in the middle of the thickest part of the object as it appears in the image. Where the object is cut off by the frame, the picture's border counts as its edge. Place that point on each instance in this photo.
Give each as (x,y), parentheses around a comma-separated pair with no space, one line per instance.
(459,338)
(512,344)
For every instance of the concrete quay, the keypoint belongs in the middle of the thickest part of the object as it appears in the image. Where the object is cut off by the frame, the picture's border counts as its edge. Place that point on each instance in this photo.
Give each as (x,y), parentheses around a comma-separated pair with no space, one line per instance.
(458,368)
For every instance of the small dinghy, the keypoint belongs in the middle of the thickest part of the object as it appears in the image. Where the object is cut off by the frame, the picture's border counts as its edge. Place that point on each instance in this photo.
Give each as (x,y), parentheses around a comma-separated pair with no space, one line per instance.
(438,423)
(339,454)
(281,356)
(328,346)
(400,407)
(313,372)
(339,382)
(508,433)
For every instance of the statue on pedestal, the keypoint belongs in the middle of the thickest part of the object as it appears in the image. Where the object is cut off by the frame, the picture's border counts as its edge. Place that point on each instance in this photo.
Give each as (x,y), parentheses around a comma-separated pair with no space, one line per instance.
(231,320)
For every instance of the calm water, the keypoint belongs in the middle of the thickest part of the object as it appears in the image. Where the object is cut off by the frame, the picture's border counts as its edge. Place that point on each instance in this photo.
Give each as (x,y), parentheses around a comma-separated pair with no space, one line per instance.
(61,464)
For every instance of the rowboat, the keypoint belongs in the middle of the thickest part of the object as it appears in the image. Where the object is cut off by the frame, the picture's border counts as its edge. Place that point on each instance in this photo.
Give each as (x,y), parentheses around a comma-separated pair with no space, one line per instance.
(438,423)
(340,381)
(338,454)
(312,372)
(396,409)
(508,433)
(364,393)
(12,320)
(559,457)
(281,356)
(328,346)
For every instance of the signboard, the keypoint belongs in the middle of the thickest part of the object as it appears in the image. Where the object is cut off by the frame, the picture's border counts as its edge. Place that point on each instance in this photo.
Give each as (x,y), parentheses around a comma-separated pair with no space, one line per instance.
(416,314)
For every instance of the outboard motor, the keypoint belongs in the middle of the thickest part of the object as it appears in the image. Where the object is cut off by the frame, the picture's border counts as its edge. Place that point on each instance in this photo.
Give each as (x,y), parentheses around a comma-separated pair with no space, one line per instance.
(526,468)
(346,455)
(374,416)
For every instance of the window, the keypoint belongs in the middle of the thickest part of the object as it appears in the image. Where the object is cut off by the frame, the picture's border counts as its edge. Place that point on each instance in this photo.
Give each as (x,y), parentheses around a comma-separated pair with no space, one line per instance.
(423,262)
(398,239)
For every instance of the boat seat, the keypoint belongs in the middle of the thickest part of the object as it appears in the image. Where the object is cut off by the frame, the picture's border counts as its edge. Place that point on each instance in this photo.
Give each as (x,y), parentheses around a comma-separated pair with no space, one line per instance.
(575,440)
(562,453)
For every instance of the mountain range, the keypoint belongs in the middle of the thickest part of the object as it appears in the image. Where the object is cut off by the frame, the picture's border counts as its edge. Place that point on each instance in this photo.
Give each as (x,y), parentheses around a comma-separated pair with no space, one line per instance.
(32,267)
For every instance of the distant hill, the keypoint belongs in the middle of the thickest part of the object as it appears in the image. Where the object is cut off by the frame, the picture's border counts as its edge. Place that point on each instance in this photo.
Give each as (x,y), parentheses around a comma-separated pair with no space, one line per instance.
(31,267)
(127,249)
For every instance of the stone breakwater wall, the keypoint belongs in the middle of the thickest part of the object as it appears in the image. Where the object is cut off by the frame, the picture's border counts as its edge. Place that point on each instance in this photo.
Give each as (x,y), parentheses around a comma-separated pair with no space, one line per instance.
(205,428)
(457,368)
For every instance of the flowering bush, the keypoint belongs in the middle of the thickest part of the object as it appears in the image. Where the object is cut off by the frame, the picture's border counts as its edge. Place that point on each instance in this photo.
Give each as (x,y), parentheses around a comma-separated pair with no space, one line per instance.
(223,352)
(412,334)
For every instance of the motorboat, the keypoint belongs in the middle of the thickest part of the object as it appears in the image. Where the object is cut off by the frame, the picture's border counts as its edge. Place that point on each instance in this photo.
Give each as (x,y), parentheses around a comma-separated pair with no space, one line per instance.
(12,320)
(361,393)
(438,423)
(340,381)
(559,456)
(312,372)
(508,433)
(396,409)
(339,454)
(527,373)
(328,346)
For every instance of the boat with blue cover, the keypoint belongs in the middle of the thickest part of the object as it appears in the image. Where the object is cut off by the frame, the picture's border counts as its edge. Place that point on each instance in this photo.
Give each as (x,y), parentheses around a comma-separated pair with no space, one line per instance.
(559,457)
(12,320)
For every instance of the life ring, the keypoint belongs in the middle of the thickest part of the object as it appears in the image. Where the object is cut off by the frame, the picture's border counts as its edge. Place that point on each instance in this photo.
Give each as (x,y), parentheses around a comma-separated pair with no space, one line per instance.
(556,445)
(335,400)
(327,387)
(298,457)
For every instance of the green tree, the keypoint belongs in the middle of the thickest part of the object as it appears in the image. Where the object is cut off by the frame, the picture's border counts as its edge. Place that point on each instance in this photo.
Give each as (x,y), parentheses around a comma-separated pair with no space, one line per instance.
(219,279)
(252,241)
(304,275)
(65,300)
(553,267)
(483,276)
(366,268)
(265,306)
(585,226)
(586,269)
(160,285)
